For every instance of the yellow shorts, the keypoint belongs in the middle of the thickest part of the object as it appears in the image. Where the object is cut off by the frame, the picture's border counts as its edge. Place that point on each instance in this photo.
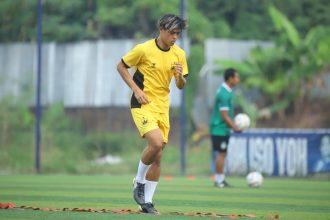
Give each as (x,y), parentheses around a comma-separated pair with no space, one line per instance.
(147,120)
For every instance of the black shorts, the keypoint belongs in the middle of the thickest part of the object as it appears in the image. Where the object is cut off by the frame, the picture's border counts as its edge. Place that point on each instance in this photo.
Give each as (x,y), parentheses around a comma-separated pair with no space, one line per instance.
(220,143)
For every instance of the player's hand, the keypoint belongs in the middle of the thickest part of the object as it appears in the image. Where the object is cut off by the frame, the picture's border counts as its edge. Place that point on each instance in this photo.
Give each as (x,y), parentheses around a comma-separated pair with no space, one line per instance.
(178,70)
(237,130)
(141,97)
(179,79)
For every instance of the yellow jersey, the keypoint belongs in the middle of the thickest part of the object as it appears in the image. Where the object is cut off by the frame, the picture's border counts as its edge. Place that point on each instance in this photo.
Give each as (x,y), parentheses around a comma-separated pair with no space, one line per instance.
(153,71)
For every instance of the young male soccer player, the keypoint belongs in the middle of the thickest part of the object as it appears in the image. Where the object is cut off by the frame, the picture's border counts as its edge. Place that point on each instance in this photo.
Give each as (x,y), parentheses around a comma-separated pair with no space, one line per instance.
(155,62)
(221,122)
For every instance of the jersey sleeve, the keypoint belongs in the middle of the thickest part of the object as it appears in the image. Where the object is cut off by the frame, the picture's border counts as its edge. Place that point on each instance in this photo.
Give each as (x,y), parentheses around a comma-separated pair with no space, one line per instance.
(133,57)
(223,102)
(184,65)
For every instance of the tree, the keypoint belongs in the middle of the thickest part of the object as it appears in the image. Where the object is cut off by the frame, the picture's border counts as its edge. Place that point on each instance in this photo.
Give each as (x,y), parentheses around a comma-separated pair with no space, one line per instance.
(17,20)
(76,20)
(69,20)
(285,73)
(62,20)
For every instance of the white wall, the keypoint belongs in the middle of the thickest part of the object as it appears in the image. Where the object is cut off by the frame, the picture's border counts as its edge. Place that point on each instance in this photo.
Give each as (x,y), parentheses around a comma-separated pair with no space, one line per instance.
(78,74)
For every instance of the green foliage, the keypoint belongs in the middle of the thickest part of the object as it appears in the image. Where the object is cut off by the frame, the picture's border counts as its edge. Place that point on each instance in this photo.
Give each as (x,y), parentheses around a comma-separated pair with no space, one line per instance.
(239,19)
(199,27)
(248,107)
(69,20)
(305,14)
(123,19)
(93,19)
(16,129)
(18,20)
(195,62)
(284,73)
(221,29)
(65,146)
(139,18)
(112,143)
(14,111)
(281,74)
(282,23)
(62,20)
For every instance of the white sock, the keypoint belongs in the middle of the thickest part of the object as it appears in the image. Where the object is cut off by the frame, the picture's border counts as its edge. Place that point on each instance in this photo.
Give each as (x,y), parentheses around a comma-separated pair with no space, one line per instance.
(219,177)
(142,172)
(150,189)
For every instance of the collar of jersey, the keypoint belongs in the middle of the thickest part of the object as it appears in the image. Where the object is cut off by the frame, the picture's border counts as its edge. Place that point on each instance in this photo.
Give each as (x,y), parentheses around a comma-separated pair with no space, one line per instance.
(226,87)
(160,47)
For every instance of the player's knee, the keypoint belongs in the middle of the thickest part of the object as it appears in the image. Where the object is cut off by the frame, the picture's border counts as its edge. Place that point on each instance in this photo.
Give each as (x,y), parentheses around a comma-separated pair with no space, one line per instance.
(155,148)
(158,145)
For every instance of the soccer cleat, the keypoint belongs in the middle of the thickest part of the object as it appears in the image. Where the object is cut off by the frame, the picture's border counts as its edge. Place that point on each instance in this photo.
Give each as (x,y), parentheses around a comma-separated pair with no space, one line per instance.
(148,208)
(138,192)
(222,184)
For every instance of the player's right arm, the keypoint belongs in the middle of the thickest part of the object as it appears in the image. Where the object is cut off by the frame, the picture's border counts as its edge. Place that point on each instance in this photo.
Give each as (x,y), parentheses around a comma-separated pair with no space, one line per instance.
(138,93)
(223,107)
(133,58)
(224,115)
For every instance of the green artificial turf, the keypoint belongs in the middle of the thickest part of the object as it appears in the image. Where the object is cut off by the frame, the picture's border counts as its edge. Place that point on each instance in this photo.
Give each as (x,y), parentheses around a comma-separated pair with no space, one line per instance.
(290,198)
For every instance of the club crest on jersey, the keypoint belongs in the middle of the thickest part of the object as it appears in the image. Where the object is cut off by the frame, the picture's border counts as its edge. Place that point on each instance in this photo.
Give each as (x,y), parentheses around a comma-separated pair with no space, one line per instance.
(152,66)
(173,66)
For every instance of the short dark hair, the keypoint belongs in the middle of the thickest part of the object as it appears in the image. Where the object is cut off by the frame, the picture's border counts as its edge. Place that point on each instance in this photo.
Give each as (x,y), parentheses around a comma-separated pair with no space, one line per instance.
(230,72)
(171,21)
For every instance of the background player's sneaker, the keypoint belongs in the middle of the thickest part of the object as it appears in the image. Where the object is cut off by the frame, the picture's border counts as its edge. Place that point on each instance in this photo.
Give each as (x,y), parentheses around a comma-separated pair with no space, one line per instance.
(222,184)
(138,192)
(148,208)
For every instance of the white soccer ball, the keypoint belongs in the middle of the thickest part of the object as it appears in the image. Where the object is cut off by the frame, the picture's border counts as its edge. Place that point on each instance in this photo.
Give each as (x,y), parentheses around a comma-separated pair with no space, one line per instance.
(254,179)
(242,121)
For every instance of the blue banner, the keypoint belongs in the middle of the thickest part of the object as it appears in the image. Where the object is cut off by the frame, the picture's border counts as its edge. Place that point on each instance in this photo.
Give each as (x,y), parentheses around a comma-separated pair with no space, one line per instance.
(278,152)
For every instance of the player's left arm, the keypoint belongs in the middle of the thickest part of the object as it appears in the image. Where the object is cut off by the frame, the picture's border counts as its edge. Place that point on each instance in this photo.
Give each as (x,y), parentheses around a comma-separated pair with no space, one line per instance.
(181,73)
(180,80)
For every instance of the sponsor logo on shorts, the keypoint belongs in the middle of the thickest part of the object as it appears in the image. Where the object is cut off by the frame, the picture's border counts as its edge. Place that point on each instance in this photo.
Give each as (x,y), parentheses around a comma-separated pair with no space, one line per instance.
(144,121)
(223,146)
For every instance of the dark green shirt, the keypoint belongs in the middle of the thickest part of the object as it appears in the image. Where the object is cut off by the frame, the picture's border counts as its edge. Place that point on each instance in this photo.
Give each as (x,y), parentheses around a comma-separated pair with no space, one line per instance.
(224,101)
